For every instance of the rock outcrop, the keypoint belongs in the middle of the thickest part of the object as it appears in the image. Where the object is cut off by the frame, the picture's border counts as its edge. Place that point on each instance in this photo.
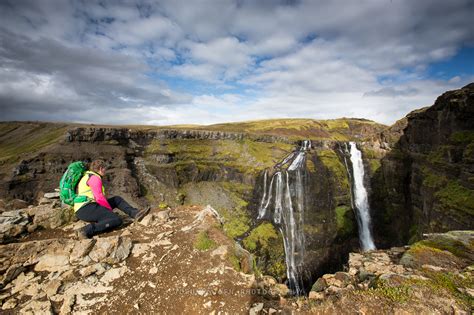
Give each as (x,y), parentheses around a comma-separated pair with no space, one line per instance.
(425,183)
(157,264)
(399,279)
(49,214)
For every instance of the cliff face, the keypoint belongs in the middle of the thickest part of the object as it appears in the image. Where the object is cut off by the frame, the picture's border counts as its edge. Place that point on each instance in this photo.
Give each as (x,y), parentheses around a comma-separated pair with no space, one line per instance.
(426,182)
(419,174)
(223,168)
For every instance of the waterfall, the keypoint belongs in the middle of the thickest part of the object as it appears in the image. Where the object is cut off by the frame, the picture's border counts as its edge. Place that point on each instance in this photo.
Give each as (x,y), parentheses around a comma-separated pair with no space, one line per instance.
(361,200)
(285,195)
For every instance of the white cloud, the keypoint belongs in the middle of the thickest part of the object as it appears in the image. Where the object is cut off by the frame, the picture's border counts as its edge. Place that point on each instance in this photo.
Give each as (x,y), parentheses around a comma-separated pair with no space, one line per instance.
(257,59)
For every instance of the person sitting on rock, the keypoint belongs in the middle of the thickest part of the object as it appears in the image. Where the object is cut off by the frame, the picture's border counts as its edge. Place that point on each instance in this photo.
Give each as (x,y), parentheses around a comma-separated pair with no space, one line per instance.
(91,206)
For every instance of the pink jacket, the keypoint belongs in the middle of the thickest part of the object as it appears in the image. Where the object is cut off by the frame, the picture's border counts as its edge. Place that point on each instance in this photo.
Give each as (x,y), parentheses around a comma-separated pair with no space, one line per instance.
(95,183)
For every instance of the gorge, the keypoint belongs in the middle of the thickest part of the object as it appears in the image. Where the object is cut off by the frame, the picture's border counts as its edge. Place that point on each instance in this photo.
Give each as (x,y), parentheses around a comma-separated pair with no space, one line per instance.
(300,211)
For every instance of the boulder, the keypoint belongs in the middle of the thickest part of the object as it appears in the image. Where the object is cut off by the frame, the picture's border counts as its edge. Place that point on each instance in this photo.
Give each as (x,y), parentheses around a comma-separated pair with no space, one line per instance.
(419,255)
(49,217)
(12,224)
(313,295)
(320,285)
(52,287)
(365,275)
(81,249)
(220,251)
(344,277)
(52,262)
(112,250)
(44,201)
(163,216)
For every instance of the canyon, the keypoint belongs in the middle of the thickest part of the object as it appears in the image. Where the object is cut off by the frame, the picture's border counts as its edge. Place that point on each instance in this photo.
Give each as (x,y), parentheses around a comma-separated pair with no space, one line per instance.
(298,194)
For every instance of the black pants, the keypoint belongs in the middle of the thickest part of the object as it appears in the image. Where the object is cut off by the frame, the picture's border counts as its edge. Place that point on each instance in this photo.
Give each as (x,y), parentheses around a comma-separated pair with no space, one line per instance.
(102,219)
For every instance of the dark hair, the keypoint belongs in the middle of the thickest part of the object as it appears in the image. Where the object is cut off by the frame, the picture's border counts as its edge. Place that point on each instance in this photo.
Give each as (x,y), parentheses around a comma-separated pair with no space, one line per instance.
(96,165)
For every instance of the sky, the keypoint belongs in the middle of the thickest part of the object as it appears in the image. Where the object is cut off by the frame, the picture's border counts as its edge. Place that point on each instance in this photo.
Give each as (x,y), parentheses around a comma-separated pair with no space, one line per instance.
(204,62)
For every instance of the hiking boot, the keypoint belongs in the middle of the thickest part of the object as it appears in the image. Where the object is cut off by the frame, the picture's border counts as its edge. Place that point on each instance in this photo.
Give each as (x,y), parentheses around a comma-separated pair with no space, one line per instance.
(142,213)
(82,233)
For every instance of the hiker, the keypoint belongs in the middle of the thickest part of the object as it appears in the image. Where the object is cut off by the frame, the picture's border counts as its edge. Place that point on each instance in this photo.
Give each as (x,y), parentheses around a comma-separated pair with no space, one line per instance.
(96,209)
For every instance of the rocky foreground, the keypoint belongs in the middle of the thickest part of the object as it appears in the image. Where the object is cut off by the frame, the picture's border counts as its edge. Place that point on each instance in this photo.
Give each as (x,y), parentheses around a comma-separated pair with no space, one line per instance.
(180,261)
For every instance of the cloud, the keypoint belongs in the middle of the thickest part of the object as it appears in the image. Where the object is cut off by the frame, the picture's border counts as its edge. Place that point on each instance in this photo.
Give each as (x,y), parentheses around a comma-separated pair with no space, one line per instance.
(227,59)
(393,92)
(45,76)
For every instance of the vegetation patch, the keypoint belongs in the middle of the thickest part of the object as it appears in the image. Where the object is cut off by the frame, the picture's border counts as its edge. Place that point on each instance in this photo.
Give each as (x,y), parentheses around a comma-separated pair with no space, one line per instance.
(431,179)
(343,129)
(452,245)
(449,283)
(234,261)
(395,294)
(374,165)
(454,195)
(267,244)
(469,152)
(246,156)
(236,222)
(330,159)
(203,242)
(345,224)
(463,137)
(18,140)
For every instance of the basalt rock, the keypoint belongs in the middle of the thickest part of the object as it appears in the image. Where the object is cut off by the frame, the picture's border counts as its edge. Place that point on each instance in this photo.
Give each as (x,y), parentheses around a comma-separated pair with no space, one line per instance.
(425,183)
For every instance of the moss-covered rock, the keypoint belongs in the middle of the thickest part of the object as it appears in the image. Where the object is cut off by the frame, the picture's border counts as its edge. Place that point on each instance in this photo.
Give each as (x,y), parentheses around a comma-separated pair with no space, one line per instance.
(456,196)
(345,220)
(330,159)
(450,250)
(267,244)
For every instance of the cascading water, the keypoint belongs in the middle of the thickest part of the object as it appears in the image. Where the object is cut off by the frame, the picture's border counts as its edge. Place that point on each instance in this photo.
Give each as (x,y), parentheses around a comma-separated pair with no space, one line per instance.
(361,201)
(285,194)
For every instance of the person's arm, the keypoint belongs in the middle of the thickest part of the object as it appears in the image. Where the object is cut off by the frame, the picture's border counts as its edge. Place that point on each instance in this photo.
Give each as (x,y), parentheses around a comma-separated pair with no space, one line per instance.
(95,183)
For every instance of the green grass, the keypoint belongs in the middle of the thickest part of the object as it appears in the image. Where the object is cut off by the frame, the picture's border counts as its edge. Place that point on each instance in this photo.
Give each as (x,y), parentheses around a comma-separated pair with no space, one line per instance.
(448,282)
(236,222)
(246,156)
(18,140)
(395,294)
(260,236)
(203,242)
(342,129)
(398,294)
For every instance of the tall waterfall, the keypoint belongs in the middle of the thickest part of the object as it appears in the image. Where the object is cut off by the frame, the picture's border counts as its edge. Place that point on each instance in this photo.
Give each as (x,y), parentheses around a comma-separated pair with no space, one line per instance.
(284,195)
(361,200)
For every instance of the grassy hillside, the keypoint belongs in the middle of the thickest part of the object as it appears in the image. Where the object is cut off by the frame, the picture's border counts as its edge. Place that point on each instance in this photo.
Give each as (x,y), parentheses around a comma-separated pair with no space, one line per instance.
(342,129)
(20,139)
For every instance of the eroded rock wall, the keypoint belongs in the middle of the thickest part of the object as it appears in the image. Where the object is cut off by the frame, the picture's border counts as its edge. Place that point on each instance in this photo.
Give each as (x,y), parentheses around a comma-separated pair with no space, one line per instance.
(426,182)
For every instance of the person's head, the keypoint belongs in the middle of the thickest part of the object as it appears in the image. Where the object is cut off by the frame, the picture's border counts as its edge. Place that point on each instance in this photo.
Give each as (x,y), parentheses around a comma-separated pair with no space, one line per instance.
(98,166)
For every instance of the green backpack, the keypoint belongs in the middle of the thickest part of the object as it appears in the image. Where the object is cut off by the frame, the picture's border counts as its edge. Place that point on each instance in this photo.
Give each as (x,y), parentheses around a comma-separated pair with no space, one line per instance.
(69,181)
